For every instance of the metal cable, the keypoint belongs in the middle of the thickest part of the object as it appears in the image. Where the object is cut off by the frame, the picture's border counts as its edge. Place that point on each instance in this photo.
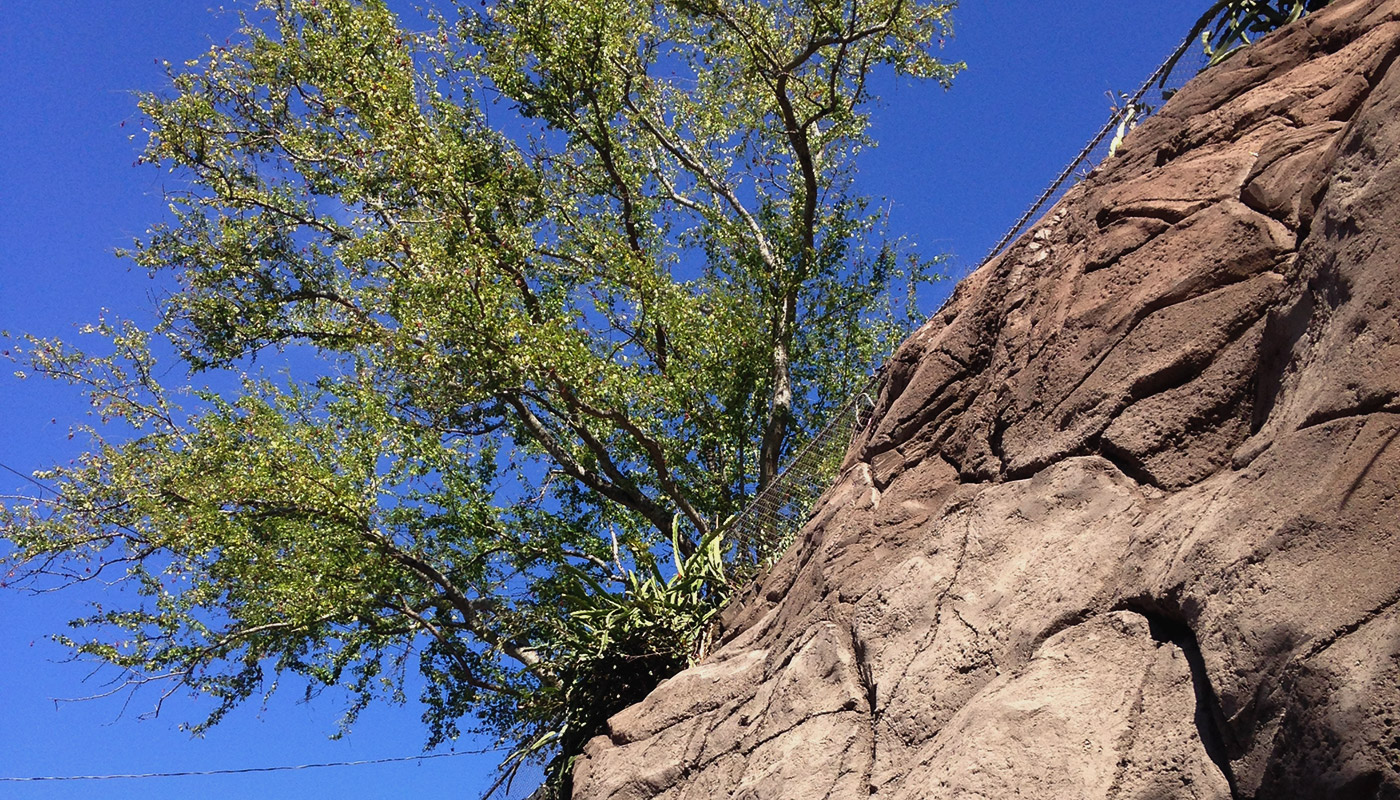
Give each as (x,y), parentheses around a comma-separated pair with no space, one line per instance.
(243,771)
(1158,74)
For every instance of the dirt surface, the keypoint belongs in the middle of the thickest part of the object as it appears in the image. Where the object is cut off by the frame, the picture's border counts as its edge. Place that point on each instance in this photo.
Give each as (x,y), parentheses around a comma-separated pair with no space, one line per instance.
(1125,524)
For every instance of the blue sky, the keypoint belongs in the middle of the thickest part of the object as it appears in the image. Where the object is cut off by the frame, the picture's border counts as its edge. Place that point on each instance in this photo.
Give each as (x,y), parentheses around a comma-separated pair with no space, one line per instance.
(957,169)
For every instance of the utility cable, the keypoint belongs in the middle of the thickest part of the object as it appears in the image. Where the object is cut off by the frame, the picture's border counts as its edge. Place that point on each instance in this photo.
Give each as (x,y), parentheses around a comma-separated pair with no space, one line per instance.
(29,478)
(243,771)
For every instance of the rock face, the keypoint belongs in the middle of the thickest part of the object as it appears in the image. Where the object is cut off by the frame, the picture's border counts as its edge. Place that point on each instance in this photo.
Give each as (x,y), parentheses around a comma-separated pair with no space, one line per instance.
(1126,523)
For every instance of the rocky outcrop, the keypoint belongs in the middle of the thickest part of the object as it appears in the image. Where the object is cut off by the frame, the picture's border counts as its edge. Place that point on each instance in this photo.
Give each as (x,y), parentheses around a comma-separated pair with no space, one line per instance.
(1126,524)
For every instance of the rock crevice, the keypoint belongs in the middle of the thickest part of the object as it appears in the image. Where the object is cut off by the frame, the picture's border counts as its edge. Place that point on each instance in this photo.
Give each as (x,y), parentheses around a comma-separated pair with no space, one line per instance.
(1211,728)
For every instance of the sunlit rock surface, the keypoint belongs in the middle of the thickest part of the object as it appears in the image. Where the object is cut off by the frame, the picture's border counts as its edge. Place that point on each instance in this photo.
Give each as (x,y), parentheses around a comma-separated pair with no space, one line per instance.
(1125,524)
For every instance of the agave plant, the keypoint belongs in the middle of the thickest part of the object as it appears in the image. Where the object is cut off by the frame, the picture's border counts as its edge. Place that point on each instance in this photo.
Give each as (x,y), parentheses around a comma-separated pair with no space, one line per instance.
(616,646)
(1230,25)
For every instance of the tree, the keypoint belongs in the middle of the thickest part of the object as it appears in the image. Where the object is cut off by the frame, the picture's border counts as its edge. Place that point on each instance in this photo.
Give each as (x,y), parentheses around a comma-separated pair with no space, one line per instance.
(554,285)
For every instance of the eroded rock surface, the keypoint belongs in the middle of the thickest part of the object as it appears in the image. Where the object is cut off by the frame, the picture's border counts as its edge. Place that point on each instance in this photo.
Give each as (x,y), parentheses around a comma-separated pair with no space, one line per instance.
(1126,523)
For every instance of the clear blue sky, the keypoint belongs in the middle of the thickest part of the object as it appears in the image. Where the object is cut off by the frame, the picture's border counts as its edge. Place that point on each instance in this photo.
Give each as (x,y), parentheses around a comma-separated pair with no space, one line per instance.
(957,167)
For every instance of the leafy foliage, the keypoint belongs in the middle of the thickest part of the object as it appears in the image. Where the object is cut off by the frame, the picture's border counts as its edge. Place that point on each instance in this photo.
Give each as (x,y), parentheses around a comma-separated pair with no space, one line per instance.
(556,284)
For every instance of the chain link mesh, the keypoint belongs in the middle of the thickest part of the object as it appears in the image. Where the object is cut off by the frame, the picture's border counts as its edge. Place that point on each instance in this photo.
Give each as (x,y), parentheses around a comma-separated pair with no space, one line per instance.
(767,527)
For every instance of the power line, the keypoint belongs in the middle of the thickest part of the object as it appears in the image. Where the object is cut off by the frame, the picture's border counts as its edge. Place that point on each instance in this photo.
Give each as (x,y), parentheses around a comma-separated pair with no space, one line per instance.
(243,771)
(29,478)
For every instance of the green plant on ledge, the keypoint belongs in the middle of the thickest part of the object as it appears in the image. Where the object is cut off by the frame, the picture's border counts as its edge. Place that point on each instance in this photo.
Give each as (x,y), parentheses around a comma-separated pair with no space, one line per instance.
(614,647)
(1230,25)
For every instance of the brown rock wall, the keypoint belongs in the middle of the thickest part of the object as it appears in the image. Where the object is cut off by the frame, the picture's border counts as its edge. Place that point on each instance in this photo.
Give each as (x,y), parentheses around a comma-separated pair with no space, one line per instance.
(1126,525)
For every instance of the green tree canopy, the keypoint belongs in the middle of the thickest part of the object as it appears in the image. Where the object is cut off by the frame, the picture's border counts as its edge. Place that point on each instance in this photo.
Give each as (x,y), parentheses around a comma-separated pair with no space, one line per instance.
(556,284)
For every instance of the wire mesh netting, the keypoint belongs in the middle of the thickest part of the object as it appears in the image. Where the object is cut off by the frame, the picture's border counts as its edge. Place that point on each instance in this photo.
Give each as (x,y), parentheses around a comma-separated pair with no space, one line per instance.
(765,529)
(768,526)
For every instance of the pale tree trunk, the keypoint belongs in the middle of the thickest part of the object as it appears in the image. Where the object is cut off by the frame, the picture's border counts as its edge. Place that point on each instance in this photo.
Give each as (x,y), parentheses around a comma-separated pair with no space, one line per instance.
(780,406)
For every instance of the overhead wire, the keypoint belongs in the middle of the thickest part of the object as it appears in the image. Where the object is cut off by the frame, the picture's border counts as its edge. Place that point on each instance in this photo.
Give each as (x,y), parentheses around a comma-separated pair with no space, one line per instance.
(29,478)
(241,771)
